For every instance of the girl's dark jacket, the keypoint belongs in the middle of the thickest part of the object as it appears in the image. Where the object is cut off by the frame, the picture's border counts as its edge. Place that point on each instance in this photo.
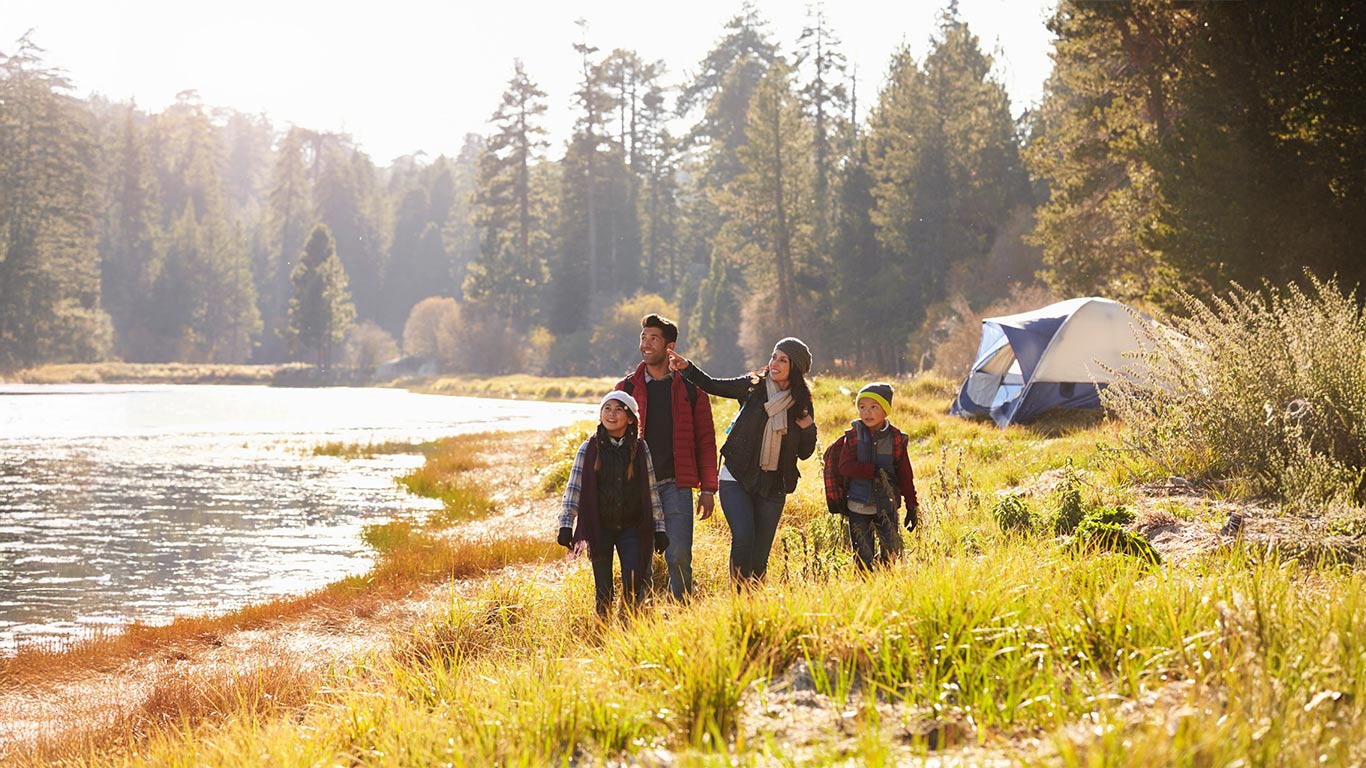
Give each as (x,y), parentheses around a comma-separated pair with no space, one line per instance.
(741,450)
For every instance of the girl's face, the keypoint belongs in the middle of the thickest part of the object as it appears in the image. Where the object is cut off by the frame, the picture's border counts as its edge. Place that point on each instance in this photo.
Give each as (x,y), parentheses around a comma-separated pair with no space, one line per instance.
(615,418)
(779,368)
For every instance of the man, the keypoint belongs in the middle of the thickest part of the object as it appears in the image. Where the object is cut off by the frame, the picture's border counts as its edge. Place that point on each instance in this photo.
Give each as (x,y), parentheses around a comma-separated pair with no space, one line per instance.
(675,420)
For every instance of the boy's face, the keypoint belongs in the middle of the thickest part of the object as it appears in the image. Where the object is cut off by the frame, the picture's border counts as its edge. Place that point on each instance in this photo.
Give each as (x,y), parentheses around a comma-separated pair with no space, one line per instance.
(615,418)
(871,414)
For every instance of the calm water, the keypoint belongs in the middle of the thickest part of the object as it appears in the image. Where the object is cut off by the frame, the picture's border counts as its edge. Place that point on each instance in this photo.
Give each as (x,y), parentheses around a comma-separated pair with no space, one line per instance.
(147,502)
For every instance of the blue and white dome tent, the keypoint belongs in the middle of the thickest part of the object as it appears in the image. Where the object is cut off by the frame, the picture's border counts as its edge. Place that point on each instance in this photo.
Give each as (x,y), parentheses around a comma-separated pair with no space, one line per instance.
(1059,356)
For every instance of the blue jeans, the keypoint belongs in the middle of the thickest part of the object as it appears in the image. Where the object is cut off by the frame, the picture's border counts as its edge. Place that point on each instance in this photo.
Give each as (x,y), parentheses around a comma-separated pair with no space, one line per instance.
(862,529)
(753,521)
(626,542)
(677,503)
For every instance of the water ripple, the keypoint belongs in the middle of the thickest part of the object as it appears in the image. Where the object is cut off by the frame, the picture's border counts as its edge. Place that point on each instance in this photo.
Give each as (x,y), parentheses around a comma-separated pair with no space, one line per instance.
(144,503)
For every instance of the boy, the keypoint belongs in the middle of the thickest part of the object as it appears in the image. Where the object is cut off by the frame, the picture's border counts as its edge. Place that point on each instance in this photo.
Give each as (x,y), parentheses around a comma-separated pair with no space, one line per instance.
(876,477)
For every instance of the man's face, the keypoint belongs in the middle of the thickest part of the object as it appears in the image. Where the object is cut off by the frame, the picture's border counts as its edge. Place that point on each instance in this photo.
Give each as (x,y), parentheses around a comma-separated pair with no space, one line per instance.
(653,349)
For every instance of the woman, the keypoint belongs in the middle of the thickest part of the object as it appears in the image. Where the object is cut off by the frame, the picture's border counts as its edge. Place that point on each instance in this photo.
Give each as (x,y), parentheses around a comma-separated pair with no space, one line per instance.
(774,428)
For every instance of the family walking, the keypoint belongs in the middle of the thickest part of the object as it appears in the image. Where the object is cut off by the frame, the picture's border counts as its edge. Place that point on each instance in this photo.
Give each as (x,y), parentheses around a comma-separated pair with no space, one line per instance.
(630,490)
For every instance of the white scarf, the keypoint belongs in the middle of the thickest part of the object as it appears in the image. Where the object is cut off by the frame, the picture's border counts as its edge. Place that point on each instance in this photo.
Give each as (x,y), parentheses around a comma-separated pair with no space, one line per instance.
(779,400)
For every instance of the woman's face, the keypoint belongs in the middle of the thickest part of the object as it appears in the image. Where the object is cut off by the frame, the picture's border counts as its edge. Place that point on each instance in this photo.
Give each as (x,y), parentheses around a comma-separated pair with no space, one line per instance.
(615,418)
(779,367)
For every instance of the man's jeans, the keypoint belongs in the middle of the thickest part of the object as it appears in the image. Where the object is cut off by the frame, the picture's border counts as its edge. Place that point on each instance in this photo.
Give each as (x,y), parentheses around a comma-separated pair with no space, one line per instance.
(678,522)
(753,523)
(626,542)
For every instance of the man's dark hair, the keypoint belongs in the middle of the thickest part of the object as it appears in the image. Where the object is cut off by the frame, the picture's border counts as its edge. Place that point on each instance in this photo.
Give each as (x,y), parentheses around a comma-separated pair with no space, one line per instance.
(664,324)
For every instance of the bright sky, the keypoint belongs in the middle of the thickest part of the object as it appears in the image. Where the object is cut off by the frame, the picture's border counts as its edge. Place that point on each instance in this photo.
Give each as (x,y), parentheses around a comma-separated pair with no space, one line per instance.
(404,75)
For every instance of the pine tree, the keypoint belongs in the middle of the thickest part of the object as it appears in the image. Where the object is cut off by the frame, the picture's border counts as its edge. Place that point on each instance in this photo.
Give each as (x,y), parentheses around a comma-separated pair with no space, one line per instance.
(460,233)
(827,101)
(1099,116)
(869,313)
(722,90)
(207,309)
(345,200)
(131,250)
(906,166)
(658,157)
(768,210)
(983,174)
(511,209)
(228,320)
(1261,162)
(320,310)
(49,259)
(290,213)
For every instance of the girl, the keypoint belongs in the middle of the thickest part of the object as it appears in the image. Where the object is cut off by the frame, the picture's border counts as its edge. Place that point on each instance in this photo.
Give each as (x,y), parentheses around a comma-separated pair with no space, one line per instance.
(611,493)
(774,428)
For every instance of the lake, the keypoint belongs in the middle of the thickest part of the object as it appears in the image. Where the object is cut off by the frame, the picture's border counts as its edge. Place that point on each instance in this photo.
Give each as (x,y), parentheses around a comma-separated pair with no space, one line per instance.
(148,502)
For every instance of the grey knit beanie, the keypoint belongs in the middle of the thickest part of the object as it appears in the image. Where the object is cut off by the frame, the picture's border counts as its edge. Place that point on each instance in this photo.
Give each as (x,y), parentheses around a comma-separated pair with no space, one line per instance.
(796,351)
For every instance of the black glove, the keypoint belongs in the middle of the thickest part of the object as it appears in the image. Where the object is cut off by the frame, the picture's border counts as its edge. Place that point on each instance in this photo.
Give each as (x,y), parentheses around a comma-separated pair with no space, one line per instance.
(912,516)
(661,541)
(566,538)
(836,507)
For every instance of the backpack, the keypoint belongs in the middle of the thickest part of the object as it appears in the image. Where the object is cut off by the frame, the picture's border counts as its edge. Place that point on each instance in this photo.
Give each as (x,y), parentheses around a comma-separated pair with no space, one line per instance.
(835,484)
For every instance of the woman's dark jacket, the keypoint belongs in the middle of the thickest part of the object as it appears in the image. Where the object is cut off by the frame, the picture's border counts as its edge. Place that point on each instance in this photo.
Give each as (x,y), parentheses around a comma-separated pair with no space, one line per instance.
(746,437)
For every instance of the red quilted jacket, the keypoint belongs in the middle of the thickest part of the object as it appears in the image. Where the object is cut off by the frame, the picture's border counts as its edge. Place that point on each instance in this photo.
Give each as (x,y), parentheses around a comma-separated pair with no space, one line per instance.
(694,431)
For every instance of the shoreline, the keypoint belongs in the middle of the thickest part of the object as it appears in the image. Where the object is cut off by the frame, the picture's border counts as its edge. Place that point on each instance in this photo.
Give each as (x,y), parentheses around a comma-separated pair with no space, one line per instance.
(502,386)
(55,693)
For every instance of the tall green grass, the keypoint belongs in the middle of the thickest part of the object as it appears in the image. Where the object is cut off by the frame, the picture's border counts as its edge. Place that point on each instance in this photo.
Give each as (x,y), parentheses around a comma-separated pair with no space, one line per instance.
(1014,648)
(1238,659)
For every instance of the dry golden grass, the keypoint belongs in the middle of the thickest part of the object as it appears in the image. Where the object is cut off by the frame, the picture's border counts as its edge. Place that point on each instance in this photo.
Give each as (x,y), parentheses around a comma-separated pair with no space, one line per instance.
(172,685)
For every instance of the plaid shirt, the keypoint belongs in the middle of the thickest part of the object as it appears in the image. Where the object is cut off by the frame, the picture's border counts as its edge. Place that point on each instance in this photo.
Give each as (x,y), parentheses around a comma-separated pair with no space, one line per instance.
(834,482)
(569,510)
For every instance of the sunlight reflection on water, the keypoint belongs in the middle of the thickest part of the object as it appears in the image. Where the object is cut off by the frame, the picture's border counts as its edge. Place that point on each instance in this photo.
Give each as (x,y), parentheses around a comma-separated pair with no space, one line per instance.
(147,502)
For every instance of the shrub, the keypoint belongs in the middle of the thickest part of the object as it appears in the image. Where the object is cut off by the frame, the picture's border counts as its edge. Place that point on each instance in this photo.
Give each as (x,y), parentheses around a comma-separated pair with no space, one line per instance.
(560,464)
(1069,510)
(434,329)
(1012,514)
(1116,515)
(1265,387)
(368,345)
(1095,536)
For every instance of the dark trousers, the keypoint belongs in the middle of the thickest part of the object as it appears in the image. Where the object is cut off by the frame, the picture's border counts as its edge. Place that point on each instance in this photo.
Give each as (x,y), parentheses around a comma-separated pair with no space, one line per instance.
(753,520)
(626,543)
(861,531)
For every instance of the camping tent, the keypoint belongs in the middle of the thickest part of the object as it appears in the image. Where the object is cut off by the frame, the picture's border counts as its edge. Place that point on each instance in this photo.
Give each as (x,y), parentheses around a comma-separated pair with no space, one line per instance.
(1055,357)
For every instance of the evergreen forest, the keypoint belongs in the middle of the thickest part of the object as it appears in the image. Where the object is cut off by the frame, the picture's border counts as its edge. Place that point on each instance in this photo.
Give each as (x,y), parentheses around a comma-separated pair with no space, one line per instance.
(1180,149)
